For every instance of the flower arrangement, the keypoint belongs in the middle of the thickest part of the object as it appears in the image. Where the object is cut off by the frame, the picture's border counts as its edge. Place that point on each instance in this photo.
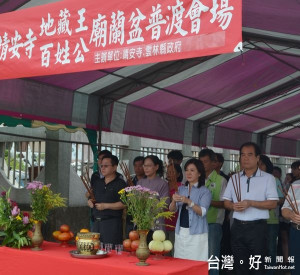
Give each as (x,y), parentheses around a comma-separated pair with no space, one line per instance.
(43,200)
(144,206)
(14,225)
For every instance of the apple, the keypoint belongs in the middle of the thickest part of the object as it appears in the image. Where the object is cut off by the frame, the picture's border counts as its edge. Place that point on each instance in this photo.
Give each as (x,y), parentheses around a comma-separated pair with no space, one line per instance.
(167,245)
(64,228)
(65,236)
(156,246)
(159,235)
(135,244)
(127,244)
(133,235)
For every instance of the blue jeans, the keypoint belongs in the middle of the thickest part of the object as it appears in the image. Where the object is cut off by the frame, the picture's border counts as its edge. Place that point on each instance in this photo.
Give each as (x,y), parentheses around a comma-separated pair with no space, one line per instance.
(214,244)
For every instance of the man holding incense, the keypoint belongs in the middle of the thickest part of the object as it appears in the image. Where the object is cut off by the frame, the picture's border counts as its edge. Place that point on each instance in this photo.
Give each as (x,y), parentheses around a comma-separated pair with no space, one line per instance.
(108,208)
(290,211)
(250,194)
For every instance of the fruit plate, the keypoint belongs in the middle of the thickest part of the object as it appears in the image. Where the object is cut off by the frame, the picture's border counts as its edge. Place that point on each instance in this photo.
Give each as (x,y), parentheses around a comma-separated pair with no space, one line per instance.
(100,254)
(159,255)
(159,252)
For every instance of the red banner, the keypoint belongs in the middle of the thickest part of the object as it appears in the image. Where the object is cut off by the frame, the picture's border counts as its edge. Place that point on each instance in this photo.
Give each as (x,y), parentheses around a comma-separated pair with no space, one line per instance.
(73,36)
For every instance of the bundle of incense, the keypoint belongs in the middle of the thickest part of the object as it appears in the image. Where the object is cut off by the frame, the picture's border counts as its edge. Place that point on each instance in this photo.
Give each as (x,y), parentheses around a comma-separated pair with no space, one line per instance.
(88,187)
(87,174)
(172,178)
(126,173)
(236,182)
(293,205)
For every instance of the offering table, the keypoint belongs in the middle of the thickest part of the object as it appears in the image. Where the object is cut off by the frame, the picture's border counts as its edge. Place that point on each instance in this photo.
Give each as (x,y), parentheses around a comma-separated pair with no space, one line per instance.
(56,260)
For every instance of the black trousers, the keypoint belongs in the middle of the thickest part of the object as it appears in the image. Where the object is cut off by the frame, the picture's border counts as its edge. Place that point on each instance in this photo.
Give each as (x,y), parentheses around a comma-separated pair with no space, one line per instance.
(294,249)
(248,243)
(111,230)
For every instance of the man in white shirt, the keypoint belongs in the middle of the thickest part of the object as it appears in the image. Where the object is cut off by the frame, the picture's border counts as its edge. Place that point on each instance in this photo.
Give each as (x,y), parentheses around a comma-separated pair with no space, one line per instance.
(257,193)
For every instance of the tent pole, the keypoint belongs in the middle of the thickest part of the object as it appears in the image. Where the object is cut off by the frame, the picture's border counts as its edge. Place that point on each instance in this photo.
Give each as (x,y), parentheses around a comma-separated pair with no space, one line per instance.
(100,123)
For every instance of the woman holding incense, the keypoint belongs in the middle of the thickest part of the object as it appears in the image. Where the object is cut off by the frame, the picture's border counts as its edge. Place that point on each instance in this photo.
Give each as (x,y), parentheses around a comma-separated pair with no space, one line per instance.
(266,165)
(192,202)
(290,211)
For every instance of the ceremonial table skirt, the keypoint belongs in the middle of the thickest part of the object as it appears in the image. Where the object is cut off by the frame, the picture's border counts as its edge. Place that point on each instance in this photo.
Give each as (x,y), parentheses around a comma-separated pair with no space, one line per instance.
(56,260)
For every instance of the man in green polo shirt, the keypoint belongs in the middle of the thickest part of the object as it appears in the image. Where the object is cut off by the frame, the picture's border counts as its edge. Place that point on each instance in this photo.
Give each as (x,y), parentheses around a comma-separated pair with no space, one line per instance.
(216,212)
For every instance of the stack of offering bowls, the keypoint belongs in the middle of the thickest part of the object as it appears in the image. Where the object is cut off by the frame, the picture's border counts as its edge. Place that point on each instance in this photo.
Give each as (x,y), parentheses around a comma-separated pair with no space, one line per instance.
(88,243)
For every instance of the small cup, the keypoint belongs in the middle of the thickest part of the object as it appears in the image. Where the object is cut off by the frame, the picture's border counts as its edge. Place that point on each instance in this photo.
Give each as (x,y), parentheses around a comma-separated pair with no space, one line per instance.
(119,249)
(108,247)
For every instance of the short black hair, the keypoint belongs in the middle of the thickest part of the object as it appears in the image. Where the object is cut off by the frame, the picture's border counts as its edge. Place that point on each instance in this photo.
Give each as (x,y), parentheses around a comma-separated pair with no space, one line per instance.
(104,152)
(251,144)
(175,154)
(200,167)
(207,152)
(276,168)
(114,159)
(220,157)
(138,158)
(266,161)
(296,164)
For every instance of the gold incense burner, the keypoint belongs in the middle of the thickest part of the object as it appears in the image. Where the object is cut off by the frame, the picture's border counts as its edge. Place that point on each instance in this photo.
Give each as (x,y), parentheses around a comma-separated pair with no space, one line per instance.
(88,243)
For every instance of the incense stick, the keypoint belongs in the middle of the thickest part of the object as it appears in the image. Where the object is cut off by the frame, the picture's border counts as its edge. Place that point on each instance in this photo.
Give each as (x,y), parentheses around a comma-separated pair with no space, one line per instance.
(237,187)
(295,198)
(288,198)
(126,173)
(88,188)
(87,173)
(240,186)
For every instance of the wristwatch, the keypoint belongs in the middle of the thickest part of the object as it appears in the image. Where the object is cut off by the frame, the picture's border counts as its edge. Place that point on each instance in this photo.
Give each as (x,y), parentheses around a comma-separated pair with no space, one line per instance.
(191,204)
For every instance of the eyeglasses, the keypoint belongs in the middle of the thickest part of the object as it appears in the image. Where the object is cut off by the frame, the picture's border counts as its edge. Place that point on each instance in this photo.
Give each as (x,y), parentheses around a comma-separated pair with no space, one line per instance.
(105,165)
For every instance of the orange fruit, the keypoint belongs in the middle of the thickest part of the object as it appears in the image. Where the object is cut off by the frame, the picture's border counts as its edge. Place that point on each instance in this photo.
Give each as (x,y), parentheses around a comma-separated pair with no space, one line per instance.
(84,230)
(71,234)
(55,234)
